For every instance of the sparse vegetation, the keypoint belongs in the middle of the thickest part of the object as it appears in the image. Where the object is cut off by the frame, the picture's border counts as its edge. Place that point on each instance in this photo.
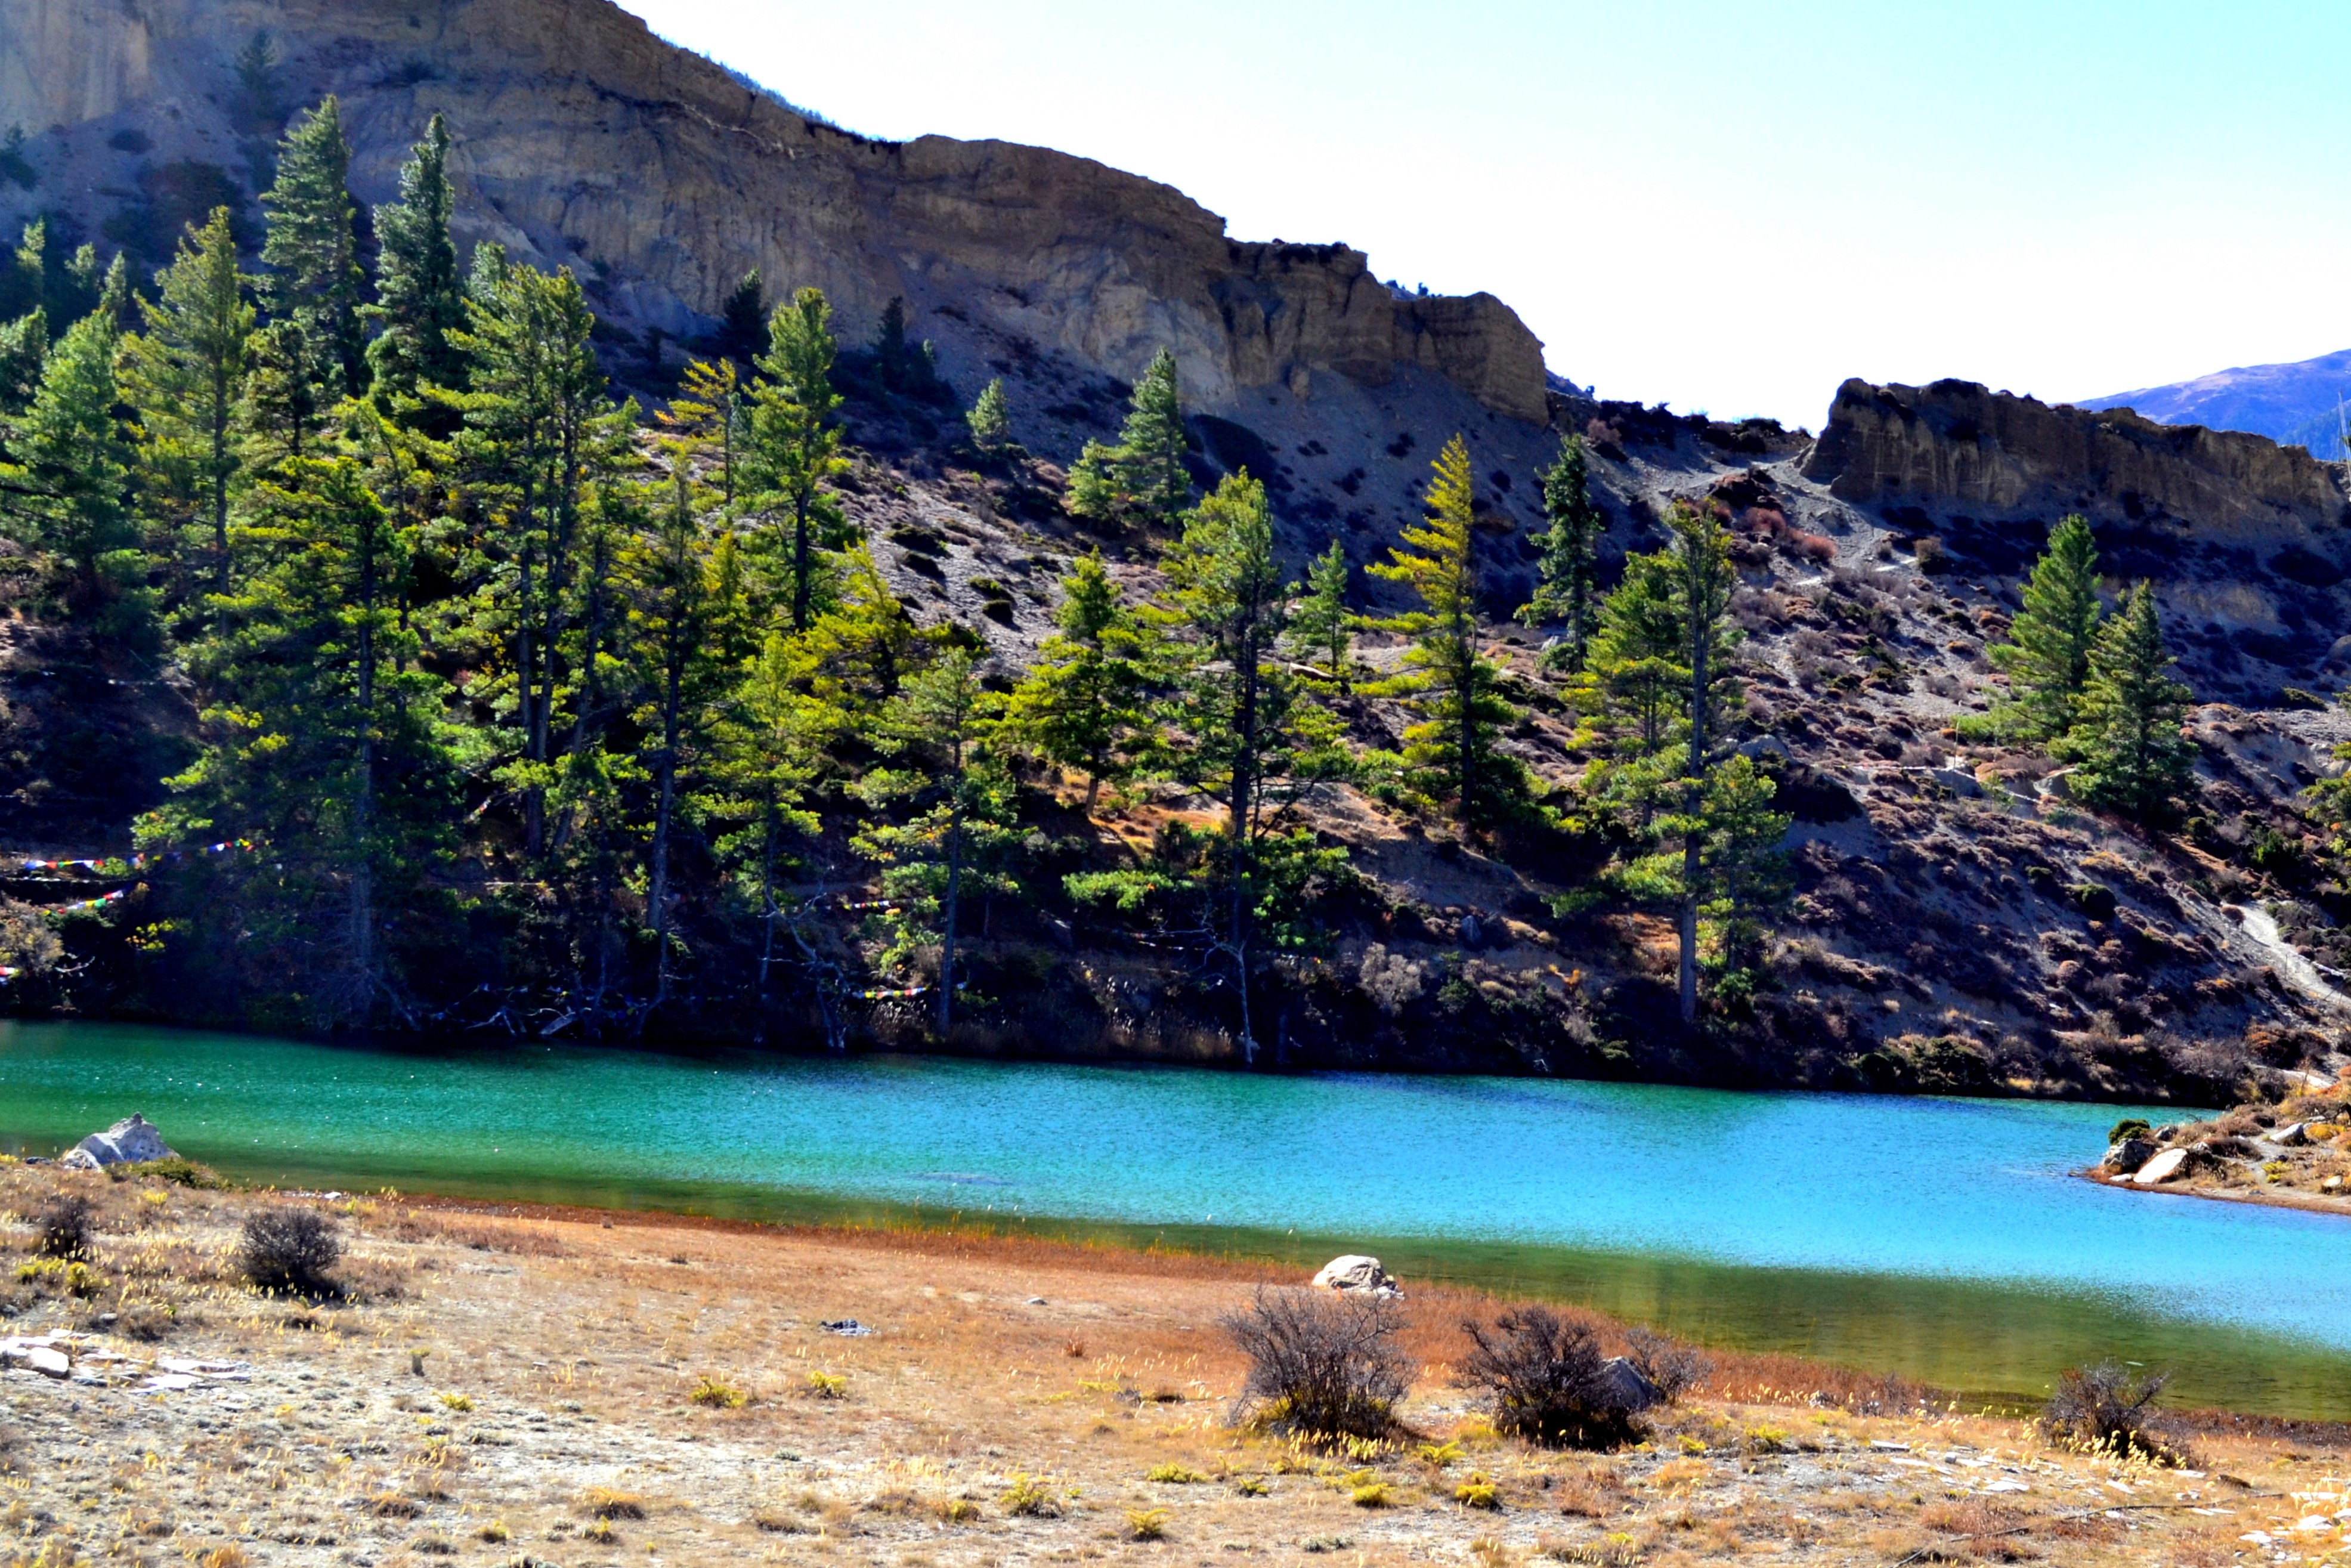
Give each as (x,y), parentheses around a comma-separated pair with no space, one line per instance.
(1322,1367)
(2107,1409)
(62,1226)
(290,1250)
(1544,1379)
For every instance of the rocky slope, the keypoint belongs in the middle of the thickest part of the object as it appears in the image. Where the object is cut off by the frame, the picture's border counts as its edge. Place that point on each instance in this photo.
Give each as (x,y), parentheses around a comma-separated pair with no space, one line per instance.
(582,139)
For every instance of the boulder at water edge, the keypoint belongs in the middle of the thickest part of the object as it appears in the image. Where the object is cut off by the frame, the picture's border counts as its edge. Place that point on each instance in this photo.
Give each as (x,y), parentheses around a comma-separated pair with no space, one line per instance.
(1356,1273)
(2127,1157)
(2163,1167)
(132,1142)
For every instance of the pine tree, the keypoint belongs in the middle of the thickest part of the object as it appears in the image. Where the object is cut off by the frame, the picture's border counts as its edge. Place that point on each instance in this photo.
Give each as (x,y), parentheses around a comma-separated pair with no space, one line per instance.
(708,414)
(1704,580)
(2133,757)
(24,350)
(769,742)
(1143,479)
(1322,627)
(990,420)
(186,375)
(1562,593)
(935,727)
(14,167)
(1245,735)
(1449,679)
(742,319)
(674,599)
(24,273)
(1743,870)
(279,419)
(257,110)
(2047,657)
(1657,692)
(419,294)
(318,732)
(67,491)
(793,445)
(1079,706)
(312,252)
(1629,691)
(540,436)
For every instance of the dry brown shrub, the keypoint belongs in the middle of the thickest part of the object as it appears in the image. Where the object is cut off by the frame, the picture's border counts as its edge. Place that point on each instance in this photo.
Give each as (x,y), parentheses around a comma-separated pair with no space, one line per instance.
(604,1502)
(1592,1494)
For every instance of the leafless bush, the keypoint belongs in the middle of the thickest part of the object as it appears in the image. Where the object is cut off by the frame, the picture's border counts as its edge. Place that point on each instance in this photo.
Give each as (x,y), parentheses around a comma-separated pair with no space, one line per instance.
(290,1250)
(62,1226)
(2105,1408)
(1546,1381)
(1674,1367)
(1392,980)
(1321,1365)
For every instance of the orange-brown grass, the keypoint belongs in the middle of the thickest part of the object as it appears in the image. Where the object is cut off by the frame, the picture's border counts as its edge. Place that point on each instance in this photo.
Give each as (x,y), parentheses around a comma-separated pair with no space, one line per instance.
(507,1384)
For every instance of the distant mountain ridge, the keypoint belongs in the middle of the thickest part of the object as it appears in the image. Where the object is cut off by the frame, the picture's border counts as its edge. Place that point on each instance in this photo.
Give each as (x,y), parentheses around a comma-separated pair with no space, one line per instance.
(2298,403)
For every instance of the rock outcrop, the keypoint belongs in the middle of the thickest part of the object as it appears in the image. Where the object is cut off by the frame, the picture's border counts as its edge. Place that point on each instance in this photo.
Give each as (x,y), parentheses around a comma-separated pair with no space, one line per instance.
(132,1141)
(583,139)
(1957,446)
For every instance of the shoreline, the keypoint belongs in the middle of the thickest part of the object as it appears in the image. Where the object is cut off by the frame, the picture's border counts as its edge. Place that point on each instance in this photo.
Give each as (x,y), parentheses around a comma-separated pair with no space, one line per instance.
(505,1379)
(1229,1064)
(2339,1208)
(1114,1258)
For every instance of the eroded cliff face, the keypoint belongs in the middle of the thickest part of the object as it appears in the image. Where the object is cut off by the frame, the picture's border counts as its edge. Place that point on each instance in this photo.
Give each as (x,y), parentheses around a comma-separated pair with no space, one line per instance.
(1956,445)
(583,139)
(2247,542)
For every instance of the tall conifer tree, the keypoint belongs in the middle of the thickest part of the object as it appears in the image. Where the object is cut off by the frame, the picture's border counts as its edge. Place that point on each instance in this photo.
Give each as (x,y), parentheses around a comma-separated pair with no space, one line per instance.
(1449,680)
(2047,656)
(794,447)
(1563,595)
(186,377)
(419,294)
(312,252)
(65,492)
(2134,758)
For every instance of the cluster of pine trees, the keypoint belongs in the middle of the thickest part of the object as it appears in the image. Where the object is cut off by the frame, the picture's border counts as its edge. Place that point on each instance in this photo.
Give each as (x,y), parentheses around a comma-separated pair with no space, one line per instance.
(541,711)
(2094,689)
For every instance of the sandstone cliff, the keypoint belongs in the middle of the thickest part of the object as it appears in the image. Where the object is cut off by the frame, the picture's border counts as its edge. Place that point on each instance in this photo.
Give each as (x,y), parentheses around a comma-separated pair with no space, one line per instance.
(1959,445)
(583,139)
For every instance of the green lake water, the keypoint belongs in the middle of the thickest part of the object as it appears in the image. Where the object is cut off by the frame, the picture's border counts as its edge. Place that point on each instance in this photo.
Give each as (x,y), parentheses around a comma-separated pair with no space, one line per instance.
(1943,1240)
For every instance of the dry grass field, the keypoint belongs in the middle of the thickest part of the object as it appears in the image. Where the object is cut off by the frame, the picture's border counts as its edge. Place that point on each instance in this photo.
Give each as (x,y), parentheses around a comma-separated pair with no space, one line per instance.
(564,1387)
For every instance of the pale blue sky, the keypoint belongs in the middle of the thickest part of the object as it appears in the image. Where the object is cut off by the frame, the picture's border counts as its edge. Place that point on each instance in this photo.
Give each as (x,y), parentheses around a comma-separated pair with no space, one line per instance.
(1727,206)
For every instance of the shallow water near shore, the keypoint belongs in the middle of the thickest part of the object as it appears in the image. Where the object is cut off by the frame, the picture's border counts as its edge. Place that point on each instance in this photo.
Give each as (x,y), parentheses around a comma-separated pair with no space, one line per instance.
(1943,1240)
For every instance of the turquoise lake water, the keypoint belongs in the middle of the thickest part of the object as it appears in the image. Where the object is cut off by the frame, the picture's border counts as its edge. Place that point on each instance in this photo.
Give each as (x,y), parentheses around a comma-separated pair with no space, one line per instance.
(1940,1238)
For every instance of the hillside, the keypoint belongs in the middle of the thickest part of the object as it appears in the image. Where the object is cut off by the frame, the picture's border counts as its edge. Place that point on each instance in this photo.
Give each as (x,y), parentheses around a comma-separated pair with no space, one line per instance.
(1955,920)
(2299,402)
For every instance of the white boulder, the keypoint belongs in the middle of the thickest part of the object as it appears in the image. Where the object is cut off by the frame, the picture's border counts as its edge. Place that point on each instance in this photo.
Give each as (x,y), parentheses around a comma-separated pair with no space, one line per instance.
(1355,1272)
(2161,1168)
(133,1141)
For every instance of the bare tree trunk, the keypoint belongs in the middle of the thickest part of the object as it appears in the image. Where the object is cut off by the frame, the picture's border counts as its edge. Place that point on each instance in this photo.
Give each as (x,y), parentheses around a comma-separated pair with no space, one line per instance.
(1693,841)
(800,563)
(1240,811)
(766,893)
(363,909)
(943,1010)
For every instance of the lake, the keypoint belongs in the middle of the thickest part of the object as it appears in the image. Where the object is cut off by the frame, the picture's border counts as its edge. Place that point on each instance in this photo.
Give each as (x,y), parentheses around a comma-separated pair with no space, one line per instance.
(1940,1238)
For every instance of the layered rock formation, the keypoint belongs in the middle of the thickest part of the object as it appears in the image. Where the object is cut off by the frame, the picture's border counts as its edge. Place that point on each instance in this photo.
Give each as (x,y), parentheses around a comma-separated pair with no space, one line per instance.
(1955,444)
(582,139)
